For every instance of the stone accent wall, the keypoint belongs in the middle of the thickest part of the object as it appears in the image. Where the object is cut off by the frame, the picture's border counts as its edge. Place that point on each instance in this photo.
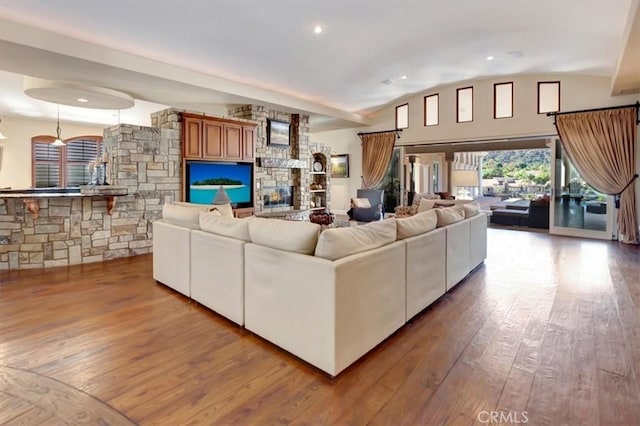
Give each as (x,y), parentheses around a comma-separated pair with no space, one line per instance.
(298,149)
(74,230)
(68,231)
(148,162)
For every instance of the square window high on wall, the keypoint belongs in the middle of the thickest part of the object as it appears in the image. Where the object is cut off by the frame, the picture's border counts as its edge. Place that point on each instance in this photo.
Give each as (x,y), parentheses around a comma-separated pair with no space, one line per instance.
(431,110)
(464,104)
(548,96)
(402,116)
(503,100)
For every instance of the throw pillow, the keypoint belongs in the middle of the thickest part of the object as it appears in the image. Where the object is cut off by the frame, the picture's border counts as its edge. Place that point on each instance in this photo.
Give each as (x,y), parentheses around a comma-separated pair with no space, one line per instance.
(542,201)
(471,209)
(337,243)
(224,209)
(449,216)
(417,224)
(226,226)
(404,211)
(446,195)
(287,235)
(360,203)
(426,205)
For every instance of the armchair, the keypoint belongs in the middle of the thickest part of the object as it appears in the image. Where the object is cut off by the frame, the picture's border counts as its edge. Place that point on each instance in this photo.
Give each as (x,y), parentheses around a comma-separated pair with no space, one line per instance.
(369,214)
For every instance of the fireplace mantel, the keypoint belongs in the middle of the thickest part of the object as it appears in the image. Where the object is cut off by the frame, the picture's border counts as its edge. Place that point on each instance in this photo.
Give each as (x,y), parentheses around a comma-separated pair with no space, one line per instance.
(283,163)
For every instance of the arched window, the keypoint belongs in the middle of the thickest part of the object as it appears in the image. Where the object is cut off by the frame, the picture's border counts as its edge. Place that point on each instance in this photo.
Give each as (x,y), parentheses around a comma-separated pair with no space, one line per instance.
(66,165)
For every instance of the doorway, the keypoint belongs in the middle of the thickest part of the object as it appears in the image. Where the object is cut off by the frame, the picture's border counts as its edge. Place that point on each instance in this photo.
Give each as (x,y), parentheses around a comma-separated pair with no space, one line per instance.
(577,209)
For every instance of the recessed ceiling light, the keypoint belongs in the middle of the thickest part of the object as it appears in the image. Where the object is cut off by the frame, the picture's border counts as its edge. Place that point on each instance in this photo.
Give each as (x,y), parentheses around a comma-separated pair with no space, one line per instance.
(83,100)
(403,77)
(489,58)
(317,29)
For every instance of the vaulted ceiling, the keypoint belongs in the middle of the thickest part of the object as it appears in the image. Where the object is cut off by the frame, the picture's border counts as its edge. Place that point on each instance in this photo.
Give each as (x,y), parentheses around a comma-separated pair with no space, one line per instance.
(200,54)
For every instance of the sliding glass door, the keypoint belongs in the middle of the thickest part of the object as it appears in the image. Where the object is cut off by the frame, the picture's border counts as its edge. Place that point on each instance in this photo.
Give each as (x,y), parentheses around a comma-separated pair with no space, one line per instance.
(576,208)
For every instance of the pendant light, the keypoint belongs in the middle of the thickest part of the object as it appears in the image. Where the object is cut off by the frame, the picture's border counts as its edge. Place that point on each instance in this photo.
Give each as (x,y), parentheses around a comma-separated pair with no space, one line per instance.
(1,135)
(58,141)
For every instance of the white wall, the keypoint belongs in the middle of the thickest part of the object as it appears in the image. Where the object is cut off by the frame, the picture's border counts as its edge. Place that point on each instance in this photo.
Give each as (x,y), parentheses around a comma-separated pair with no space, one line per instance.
(15,165)
(343,142)
(576,92)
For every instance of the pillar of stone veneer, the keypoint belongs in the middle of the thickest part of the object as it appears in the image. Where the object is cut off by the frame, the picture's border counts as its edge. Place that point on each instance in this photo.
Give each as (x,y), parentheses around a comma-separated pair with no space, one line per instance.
(148,162)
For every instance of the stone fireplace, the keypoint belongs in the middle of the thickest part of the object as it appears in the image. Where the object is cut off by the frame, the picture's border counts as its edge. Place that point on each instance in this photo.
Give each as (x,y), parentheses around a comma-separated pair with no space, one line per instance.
(275,167)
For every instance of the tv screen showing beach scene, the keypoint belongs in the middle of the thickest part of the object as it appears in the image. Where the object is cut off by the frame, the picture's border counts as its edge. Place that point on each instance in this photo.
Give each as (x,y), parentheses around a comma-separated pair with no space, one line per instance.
(204,180)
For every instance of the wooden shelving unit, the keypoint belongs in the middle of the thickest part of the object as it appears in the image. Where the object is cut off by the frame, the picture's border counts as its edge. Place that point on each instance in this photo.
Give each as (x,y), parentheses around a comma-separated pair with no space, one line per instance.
(318,173)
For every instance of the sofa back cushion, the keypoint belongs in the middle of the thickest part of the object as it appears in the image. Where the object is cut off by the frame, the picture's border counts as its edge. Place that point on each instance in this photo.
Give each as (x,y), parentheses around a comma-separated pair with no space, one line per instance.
(203,207)
(416,224)
(226,226)
(287,235)
(450,215)
(336,243)
(224,209)
(182,215)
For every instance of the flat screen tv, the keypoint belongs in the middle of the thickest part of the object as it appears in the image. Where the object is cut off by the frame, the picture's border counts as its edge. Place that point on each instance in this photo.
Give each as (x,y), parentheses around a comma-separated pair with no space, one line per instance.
(203,179)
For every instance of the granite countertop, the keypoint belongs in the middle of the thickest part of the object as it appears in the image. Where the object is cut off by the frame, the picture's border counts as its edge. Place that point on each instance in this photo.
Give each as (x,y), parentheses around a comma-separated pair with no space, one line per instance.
(82,191)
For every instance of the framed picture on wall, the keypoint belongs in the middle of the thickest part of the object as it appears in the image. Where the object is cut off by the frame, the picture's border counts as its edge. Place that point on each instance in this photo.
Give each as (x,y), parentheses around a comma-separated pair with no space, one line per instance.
(278,133)
(340,166)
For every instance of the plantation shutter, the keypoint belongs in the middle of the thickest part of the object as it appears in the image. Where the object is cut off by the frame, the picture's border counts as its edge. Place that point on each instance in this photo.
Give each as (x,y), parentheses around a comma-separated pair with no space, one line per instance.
(79,152)
(46,162)
(66,165)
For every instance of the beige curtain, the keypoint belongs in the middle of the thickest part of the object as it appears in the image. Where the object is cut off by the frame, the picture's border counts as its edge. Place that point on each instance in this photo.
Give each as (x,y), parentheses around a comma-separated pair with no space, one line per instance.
(602,147)
(377,150)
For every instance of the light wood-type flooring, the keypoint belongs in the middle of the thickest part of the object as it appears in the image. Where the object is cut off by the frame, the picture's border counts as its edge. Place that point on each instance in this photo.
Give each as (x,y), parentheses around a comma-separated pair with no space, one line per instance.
(547,332)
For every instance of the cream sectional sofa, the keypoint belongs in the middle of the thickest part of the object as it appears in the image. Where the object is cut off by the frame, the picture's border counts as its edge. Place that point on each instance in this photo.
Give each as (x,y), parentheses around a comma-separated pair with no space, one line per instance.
(329,312)
(327,297)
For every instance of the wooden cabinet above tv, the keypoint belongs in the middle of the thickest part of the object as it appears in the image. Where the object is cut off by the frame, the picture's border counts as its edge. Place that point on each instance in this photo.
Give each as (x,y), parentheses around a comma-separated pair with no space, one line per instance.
(207,138)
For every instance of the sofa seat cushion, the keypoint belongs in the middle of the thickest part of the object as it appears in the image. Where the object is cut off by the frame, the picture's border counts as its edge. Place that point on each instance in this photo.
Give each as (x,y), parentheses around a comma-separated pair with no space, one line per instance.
(226,226)
(451,215)
(337,243)
(287,235)
(416,224)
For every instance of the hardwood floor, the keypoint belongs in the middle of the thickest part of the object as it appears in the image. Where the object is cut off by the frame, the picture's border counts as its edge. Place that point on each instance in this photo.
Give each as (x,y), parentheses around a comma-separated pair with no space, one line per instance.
(547,331)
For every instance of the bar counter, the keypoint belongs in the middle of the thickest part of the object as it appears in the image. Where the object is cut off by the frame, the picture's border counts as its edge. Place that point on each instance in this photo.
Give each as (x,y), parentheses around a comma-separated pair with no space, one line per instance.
(32,195)
(66,226)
